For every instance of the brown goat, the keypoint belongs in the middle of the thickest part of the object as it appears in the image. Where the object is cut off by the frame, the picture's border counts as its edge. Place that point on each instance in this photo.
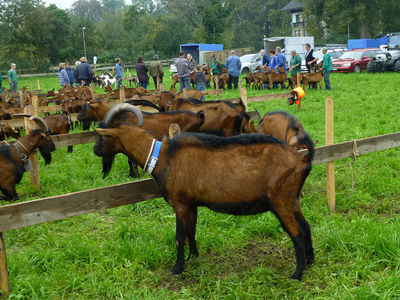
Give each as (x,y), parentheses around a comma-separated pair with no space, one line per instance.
(279,78)
(14,158)
(8,131)
(285,127)
(221,180)
(60,124)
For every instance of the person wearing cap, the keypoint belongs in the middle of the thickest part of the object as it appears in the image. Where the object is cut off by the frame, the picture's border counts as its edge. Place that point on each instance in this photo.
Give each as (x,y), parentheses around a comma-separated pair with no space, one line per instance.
(156,70)
(327,67)
(215,65)
(295,63)
(234,65)
(118,70)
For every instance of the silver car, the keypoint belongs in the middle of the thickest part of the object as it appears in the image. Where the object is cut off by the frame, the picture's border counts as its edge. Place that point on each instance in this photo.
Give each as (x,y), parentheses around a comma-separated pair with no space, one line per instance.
(250,62)
(172,66)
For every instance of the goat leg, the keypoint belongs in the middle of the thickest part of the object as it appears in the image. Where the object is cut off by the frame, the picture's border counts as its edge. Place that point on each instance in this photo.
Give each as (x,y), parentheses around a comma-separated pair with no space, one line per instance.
(191,232)
(291,225)
(307,237)
(70,149)
(10,194)
(180,245)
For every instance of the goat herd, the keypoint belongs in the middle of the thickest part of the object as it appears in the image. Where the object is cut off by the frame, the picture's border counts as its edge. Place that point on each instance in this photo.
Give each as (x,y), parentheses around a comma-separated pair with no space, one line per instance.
(217,158)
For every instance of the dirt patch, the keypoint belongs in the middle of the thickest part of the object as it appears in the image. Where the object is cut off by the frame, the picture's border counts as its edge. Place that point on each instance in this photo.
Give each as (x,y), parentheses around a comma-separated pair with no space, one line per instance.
(278,257)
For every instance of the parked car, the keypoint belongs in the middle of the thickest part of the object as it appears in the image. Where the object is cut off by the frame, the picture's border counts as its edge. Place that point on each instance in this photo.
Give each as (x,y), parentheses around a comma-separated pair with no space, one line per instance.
(172,66)
(354,60)
(250,62)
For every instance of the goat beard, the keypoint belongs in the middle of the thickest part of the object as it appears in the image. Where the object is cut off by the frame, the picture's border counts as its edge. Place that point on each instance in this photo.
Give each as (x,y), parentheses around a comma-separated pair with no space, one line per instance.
(108,160)
(46,154)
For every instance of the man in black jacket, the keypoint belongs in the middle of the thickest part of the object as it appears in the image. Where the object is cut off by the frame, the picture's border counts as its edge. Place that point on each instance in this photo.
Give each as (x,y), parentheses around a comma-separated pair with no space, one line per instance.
(310,59)
(83,72)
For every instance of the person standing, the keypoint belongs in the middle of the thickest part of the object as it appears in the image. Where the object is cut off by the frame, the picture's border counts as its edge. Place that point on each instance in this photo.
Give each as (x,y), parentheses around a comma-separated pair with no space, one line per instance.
(264,57)
(141,71)
(83,72)
(295,63)
(272,59)
(215,66)
(280,59)
(192,62)
(182,66)
(156,70)
(310,59)
(118,70)
(327,67)
(13,78)
(234,66)
(200,80)
(62,75)
(70,73)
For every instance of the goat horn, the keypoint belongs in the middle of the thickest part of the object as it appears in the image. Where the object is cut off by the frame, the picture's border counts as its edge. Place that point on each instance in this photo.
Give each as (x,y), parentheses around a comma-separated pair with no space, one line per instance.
(21,115)
(42,123)
(120,108)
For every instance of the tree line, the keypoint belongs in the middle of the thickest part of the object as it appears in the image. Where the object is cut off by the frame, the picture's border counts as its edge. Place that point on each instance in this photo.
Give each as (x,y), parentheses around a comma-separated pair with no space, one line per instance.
(34,35)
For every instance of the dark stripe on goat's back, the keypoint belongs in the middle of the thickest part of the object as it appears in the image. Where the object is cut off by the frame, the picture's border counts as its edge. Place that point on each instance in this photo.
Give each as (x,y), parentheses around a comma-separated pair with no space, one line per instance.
(211,141)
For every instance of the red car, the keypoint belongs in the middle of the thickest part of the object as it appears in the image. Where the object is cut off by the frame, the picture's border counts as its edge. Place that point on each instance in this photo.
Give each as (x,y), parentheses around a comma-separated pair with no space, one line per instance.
(354,60)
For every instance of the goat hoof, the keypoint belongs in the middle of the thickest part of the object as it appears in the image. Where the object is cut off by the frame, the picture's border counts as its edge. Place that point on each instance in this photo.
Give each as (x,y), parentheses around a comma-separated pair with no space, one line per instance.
(297,275)
(310,260)
(177,269)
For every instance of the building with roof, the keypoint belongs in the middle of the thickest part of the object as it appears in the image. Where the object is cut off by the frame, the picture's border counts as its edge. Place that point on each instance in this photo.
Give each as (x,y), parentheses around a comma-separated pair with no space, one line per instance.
(197,50)
(299,23)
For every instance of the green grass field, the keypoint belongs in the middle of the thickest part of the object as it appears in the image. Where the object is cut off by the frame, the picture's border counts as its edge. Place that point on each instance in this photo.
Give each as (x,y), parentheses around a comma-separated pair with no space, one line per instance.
(128,252)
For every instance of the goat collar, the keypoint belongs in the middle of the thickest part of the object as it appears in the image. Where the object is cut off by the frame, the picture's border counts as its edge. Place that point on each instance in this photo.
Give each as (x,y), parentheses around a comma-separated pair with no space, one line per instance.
(23,157)
(18,144)
(170,102)
(152,158)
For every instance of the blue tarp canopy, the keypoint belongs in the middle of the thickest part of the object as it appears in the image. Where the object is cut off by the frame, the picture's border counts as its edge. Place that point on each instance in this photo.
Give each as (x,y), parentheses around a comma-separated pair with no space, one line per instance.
(202,47)
(366,43)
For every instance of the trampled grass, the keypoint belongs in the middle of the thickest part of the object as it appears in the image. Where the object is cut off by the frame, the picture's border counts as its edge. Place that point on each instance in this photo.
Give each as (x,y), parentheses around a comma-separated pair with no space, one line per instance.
(128,252)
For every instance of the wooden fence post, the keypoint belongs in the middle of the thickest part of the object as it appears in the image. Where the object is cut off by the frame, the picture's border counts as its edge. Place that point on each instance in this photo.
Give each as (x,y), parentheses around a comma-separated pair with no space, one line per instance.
(184,93)
(31,85)
(91,87)
(38,84)
(122,94)
(4,280)
(29,126)
(243,95)
(330,166)
(21,99)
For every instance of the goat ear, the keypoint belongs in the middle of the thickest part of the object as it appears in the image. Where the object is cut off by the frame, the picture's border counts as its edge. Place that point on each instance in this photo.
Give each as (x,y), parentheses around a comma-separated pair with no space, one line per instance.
(106,131)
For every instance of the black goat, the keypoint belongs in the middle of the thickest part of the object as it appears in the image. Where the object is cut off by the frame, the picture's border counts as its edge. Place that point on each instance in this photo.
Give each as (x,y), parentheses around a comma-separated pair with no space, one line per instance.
(14,157)
(240,175)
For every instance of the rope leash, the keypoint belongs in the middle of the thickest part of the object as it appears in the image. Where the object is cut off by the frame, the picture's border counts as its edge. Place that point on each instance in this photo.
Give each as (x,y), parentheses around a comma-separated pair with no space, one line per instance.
(356,154)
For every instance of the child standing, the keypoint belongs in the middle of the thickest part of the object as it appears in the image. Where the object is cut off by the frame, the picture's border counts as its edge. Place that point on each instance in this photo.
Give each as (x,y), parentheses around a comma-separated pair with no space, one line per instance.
(200,80)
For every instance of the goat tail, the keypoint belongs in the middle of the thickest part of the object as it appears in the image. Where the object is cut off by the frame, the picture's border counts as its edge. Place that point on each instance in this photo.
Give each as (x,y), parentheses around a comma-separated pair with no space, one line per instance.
(307,140)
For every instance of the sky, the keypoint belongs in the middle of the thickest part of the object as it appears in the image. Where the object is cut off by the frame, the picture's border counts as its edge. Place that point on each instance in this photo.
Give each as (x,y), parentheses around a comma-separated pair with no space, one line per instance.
(63,4)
